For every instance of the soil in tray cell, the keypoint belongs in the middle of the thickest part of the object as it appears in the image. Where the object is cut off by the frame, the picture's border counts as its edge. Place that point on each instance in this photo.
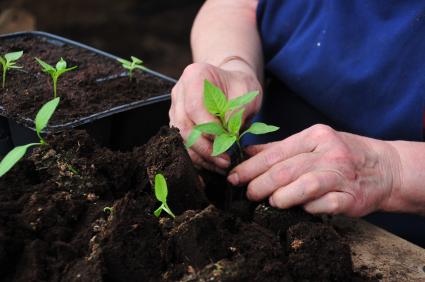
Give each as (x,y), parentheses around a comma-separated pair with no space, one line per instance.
(98,84)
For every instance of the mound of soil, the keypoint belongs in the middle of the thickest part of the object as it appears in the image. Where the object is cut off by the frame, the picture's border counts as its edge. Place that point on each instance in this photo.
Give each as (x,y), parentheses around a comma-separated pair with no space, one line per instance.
(98,84)
(53,226)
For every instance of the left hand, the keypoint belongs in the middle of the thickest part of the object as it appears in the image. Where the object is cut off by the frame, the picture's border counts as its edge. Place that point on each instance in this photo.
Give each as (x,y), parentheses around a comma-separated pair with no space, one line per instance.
(324,170)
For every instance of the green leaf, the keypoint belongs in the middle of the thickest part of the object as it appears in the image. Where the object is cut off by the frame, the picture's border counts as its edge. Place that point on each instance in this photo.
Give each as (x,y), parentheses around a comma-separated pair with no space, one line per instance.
(161,190)
(193,137)
(158,211)
(124,62)
(136,60)
(13,157)
(44,114)
(71,68)
(235,122)
(222,143)
(2,61)
(168,210)
(13,56)
(242,100)
(139,67)
(15,67)
(214,99)
(46,67)
(261,128)
(211,128)
(62,71)
(61,65)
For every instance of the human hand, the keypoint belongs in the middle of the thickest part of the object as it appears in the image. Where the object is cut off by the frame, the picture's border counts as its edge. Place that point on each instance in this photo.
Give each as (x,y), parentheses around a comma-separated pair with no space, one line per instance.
(324,170)
(235,78)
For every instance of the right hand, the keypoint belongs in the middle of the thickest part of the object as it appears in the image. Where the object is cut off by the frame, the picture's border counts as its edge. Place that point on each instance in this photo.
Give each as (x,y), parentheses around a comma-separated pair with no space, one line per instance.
(235,78)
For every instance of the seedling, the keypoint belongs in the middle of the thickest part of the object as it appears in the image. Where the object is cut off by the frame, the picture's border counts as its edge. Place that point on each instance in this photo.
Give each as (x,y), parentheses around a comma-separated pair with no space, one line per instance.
(42,118)
(73,169)
(230,113)
(161,193)
(9,62)
(61,68)
(131,66)
(109,210)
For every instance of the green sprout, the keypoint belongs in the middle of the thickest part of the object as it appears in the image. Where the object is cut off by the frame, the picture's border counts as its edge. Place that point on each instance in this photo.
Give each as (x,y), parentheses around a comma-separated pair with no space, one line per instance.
(109,210)
(161,192)
(230,113)
(61,68)
(9,62)
(135,63)
(73,169)
(42,118)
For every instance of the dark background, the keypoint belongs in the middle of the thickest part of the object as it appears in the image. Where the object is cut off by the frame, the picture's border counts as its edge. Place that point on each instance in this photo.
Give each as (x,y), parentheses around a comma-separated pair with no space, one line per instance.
(157,31)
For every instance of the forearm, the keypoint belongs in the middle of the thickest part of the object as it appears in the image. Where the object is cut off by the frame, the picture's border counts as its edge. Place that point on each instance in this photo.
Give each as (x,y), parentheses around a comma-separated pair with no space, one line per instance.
(409,194)
(225,33)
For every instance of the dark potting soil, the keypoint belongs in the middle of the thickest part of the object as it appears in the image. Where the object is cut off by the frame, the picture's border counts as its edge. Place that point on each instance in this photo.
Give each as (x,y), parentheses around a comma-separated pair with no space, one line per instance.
(53,226)
(95,86)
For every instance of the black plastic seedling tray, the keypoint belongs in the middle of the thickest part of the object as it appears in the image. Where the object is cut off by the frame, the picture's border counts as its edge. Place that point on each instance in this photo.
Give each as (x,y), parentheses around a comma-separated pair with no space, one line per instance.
(119,128)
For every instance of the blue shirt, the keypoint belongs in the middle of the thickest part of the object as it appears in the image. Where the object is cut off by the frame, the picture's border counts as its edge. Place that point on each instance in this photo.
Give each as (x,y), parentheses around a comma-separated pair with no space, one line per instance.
(359,63)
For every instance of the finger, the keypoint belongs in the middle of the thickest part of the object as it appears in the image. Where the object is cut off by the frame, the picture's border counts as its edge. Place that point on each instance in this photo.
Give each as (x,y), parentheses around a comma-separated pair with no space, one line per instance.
(177,113)
(255,149)
(306,188)
(204,148)
(280,175)
(201,163)
(172,116)
(332,203)
(264,160)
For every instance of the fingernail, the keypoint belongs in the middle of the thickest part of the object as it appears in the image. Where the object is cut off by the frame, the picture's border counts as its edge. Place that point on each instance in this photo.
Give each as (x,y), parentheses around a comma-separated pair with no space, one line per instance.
(271,202)
(233,178)
(222,162)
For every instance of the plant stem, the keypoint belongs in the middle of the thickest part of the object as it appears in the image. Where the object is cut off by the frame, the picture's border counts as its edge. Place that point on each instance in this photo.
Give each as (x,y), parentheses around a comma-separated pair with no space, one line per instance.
(54,88)
(230,192)
(223,121)
(240,151)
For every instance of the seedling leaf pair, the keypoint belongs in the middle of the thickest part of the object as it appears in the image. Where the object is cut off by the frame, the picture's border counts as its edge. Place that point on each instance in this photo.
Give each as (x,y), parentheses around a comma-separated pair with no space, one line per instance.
(42,118)
(9,62)
(55,72)
(135,63)
(161,193)
(230,114)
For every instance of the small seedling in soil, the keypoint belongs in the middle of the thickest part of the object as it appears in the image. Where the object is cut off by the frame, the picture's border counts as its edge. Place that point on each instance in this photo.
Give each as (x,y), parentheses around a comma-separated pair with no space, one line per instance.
(131,66)
(42,118)
(73,169)
(230,113)
(108,210)
(9,62)
(161,193)
(61,68)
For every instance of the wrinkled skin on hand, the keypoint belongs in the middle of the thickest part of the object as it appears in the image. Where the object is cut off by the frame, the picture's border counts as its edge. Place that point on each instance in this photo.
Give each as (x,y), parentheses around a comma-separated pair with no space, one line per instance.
(323,170)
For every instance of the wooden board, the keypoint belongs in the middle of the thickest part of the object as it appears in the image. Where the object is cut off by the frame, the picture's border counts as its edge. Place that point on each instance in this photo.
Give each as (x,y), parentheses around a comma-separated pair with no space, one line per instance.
(378,253)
